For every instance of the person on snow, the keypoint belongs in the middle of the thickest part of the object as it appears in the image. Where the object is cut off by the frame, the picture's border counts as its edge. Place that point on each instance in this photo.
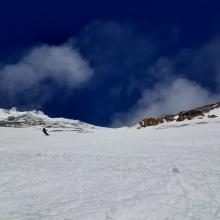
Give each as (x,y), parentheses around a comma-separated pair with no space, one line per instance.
(45,131)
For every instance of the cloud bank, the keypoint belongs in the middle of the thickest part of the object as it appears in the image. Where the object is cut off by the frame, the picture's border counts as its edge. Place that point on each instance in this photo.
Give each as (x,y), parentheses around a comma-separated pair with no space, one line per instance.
(35,77)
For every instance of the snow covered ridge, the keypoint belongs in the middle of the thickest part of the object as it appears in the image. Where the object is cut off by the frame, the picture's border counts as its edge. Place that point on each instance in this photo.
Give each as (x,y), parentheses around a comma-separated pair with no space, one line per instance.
(15,118)
(197,114)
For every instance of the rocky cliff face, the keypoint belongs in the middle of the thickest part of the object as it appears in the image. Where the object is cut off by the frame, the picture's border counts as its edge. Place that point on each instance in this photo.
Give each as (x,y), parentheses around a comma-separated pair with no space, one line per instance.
(181,116)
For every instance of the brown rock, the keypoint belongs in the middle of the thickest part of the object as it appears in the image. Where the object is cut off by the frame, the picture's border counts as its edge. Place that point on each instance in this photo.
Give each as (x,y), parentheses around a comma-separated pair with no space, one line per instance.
(169,118)
(150,122)
(186,115)
(189,115)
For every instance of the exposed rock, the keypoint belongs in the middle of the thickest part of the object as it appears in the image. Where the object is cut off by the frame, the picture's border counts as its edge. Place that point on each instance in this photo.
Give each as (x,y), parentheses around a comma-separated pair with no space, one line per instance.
(189,114)
(11,118)
(150,122)
(186,115)
(169,118)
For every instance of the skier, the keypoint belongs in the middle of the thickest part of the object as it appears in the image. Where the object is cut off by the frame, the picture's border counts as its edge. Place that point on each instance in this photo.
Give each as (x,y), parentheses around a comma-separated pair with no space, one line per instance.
(45,131)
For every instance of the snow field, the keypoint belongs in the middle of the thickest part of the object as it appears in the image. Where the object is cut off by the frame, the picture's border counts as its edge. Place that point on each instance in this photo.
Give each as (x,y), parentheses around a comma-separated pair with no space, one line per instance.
(155,173)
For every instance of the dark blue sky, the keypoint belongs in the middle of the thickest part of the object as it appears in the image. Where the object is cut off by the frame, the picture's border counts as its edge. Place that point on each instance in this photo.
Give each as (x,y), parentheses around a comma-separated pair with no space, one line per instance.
(130,46)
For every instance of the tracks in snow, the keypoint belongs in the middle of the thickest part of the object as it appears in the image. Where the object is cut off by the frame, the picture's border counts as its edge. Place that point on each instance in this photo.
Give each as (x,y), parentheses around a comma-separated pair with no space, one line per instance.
(83,186)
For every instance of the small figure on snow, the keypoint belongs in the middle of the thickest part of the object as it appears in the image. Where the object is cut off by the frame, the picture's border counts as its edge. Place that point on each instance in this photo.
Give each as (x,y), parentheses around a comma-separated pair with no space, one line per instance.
(45,131)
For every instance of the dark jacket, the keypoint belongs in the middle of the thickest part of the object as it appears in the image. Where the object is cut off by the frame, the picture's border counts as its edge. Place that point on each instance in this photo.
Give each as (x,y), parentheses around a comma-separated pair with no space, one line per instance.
(45,131)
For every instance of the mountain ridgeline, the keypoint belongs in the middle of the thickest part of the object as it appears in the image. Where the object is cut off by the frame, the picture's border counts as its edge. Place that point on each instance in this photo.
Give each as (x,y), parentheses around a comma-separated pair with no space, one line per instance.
(35,118)
(199,112)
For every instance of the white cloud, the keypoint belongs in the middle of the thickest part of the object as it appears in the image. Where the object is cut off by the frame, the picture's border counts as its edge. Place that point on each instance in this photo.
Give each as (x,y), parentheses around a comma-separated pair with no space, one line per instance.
(62,65)
(170,96)
(173,92)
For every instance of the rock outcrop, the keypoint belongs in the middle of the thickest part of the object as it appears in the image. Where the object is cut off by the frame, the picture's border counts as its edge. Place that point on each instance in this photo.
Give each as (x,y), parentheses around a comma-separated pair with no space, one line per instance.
(150,122)
(181,116)
(189,114)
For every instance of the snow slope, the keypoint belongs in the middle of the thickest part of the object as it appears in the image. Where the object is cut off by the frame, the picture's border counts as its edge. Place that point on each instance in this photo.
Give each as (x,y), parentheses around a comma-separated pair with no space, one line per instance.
(171,171)
(14,118)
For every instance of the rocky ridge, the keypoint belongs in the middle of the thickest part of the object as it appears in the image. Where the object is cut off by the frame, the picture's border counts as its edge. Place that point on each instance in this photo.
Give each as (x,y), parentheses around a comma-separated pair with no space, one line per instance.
(35,118)
(181,116)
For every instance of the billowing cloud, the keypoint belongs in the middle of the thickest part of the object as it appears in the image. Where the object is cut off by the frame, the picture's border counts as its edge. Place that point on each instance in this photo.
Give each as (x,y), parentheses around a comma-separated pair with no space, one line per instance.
(33,77)
(170,96)
(180,84)
(120,73)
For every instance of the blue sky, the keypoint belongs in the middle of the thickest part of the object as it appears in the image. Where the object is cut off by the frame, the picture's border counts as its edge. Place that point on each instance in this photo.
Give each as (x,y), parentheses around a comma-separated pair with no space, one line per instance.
(109,63)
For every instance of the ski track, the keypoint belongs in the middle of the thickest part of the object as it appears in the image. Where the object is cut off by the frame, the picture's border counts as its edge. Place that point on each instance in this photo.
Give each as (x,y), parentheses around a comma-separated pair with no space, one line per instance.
(111,174)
